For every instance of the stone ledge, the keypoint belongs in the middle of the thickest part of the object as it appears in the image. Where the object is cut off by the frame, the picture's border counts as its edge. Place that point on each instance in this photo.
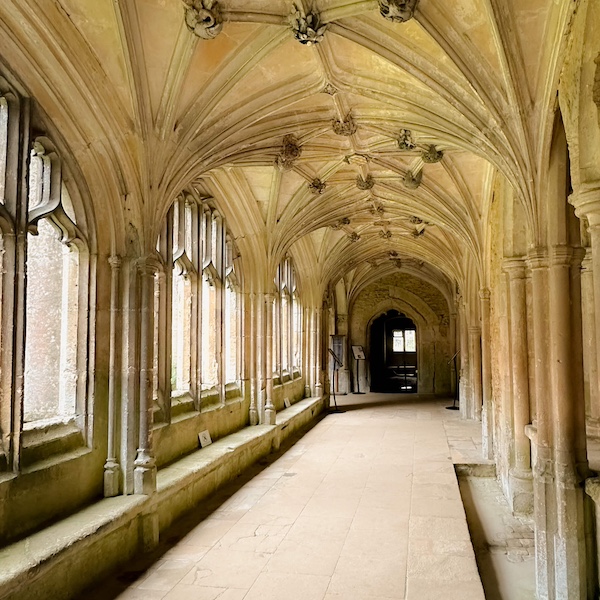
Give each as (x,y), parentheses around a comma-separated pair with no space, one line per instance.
(64,558)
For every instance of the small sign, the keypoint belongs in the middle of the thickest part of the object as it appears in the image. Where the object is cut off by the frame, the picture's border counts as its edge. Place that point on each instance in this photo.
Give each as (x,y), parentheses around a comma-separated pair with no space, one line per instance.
(204,438)
(358,353)
(286,402)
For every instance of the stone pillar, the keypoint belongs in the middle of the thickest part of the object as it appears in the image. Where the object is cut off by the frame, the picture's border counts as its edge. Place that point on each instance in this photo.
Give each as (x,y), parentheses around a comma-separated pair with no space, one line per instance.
(307,354)
(464,397)
(318,352)
(269,407)
(520,476)
(595,240)
(252,361)
(569,424)
(144,475)
(111,467)
(541,433)
(487,415)
(475,363)
(590,357)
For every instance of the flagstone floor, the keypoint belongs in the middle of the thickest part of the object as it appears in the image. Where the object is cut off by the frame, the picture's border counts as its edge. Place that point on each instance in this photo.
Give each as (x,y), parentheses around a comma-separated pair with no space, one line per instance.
(365,506)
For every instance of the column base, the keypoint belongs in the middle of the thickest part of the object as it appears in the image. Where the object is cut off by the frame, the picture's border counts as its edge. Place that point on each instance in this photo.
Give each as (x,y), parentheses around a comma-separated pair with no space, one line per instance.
(521,492)
(253,416)
(144,474)
(270,415)
(112,478)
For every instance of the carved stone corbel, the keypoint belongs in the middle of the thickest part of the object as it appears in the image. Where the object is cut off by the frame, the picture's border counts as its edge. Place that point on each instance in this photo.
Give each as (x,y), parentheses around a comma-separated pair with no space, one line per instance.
(398,11)
(290,152)
(306,27)
(365,184)
(411,181)
(346,128)
(316,186)
(203,18)
(432,155)
(405,140)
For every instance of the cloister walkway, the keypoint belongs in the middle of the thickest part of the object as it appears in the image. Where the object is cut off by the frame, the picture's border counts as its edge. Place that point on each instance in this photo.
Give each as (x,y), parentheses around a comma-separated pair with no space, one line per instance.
(365,506)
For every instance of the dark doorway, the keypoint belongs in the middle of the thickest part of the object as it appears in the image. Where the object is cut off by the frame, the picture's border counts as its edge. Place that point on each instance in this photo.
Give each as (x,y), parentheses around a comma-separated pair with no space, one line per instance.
(393,353)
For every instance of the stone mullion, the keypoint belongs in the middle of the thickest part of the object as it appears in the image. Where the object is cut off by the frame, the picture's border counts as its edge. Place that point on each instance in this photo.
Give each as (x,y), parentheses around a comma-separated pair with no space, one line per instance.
(595,240)
(195,303)
(520,475)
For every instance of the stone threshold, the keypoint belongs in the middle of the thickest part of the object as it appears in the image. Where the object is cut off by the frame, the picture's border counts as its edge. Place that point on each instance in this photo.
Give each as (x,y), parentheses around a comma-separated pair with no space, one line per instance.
(66,557)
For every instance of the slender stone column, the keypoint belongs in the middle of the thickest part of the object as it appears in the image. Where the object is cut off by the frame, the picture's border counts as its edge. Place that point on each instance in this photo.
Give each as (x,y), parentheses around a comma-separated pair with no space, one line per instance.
(487,418)
(318,319)
(305,352)
(252,364)
(475,355)
(269,407)
(595,239)
(590,357)
(144,475)
(465,399)
(569,425)
(111,467)
(520,475)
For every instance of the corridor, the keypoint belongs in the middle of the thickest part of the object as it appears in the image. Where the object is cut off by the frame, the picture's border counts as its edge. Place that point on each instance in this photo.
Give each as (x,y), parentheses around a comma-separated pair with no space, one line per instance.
(365,506)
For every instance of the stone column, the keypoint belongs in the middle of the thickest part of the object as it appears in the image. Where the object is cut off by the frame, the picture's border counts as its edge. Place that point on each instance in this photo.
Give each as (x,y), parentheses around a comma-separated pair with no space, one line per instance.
(269,407)
(487,415)
(520,476)
(595,240)
(464,397)
(475,355)
(318,352)
(306,354)
(590,357)
(251,360)
(568,417)
(111,467)
(144,475)
(541,433)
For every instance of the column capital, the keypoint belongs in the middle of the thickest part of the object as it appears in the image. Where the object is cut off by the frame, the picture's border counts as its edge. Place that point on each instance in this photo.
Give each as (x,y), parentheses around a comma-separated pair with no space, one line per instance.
(485,293)
(148,265)
(475,330)
(514,266)
(537,258)
(561,255)
(586,201)
(115,261)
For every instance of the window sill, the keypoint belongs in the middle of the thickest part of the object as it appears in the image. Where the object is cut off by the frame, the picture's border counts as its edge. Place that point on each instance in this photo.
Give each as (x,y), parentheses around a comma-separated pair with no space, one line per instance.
(45,443)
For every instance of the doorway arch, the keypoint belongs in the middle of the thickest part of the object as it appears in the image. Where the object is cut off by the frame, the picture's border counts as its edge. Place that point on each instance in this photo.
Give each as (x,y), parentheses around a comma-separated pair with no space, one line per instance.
(394,355)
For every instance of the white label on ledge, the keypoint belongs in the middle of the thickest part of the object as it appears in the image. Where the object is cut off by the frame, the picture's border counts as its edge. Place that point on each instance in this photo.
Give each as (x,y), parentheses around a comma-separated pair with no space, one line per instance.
(204,438)
(286,402)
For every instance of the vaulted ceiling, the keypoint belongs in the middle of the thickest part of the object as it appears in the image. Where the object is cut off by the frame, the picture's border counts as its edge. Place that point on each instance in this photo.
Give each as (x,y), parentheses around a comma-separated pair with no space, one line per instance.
(379,141)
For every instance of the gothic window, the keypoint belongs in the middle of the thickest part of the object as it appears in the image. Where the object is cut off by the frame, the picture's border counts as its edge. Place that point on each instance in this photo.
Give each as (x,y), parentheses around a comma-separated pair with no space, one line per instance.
(197,303)
(54,326)
(287,322)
